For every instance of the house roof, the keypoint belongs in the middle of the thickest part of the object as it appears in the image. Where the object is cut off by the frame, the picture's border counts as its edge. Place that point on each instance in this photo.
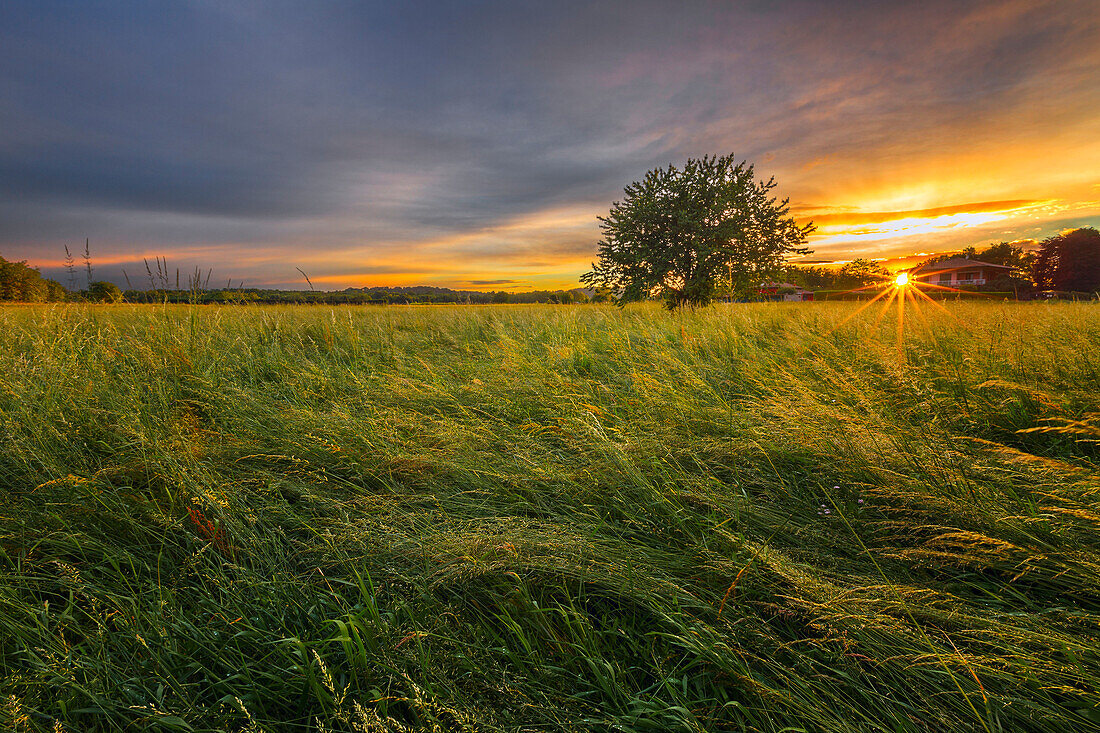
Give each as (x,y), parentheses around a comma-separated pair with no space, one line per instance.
(957,263)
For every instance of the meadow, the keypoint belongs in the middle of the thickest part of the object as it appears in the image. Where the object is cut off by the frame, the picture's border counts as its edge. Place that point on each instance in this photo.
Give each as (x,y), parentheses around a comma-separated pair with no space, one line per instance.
(536,518)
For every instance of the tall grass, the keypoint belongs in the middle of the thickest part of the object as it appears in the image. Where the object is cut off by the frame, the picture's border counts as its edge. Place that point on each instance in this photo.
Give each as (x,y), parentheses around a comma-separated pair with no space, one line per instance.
(748,518)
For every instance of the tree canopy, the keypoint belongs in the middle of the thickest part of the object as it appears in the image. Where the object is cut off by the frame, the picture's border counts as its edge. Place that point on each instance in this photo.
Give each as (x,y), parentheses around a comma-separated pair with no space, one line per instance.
(860,272)
(19,282)
(102,291)
(1069,261)
(681,234)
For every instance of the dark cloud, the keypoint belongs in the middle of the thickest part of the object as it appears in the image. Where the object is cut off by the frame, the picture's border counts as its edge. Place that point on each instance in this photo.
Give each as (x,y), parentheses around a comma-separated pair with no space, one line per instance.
(319,127)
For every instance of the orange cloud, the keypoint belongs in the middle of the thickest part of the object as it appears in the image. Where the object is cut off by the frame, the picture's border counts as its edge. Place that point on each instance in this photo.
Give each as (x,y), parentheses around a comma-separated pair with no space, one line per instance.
(545,249)
(874,217)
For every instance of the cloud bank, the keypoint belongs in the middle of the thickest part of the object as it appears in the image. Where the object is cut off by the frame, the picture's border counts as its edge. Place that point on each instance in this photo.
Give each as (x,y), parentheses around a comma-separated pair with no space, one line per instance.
(454,144)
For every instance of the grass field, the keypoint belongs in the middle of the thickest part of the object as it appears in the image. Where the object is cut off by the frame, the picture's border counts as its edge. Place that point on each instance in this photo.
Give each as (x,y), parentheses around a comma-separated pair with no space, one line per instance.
(747,518)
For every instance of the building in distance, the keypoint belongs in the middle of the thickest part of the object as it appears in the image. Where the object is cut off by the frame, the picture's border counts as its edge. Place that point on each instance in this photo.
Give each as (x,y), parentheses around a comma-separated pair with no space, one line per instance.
(959,271)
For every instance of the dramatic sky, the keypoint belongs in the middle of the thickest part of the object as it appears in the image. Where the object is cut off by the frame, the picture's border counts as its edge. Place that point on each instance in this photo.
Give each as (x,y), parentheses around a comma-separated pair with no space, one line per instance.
(472,144)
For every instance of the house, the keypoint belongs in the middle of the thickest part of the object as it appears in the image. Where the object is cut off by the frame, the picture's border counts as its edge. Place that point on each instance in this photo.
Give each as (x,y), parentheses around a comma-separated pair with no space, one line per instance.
(959,271)
(785,291)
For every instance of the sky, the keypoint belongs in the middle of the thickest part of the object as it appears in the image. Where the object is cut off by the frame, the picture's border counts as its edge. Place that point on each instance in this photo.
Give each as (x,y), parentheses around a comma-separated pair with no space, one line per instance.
(473,144)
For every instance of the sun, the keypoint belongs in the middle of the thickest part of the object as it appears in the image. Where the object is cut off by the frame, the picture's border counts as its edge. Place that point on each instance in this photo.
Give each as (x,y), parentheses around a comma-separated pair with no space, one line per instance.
(899,289)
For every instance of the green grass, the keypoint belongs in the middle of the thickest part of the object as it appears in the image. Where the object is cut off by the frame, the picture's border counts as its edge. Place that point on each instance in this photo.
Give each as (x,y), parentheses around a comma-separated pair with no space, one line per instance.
(747,518)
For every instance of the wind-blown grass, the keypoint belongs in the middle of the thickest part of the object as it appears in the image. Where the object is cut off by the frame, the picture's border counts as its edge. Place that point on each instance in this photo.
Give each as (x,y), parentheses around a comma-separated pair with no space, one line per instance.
(747,518)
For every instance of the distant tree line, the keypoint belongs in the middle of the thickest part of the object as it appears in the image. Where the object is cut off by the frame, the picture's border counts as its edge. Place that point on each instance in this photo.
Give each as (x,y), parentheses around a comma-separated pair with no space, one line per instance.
(431,294)
(414,295)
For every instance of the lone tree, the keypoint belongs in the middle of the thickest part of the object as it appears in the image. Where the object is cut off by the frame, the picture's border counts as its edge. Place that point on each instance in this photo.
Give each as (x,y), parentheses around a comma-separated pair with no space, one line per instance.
(681,235)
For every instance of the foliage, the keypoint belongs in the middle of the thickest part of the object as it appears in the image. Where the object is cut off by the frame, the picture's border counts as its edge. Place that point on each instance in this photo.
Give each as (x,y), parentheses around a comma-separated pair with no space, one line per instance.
(1004,253)
(850,275)
(860,272)
(555,519)
(1069,261)
(102,291)
(21,283)
(811,276)
(679,234)
(603,295)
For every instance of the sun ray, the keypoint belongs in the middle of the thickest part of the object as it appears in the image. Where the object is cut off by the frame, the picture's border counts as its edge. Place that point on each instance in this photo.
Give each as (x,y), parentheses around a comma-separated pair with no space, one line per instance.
(872,286)
(855,313)
(933,301)
(886,306)
(934,286)
(900,342)
(913,294)
(957,291)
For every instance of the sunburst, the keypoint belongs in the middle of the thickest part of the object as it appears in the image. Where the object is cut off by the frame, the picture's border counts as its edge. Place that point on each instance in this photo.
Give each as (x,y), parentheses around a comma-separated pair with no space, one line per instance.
(900,291)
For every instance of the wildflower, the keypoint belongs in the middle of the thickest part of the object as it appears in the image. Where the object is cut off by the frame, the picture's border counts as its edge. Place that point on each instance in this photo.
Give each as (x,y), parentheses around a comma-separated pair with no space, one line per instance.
(861,501)
(826,511)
